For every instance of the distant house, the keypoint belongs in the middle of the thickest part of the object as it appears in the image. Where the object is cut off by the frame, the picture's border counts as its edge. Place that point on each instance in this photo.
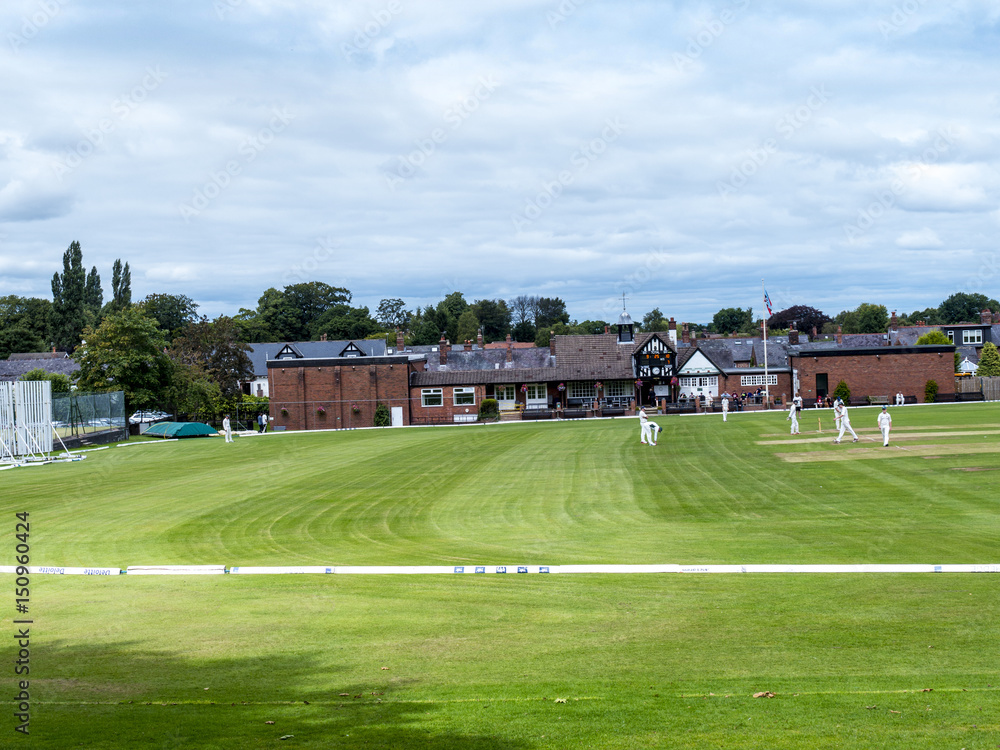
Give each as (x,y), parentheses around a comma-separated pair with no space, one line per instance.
(53,362)
(260,353)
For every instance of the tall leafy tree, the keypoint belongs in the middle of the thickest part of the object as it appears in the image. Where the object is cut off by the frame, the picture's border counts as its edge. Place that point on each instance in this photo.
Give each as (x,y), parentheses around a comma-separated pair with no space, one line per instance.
(805,318)
(964,307)
(25,325)
(69,300)
(523,309)
(93,295)
(654,321)
(550,310)
(989,360)
(125,353)
(866,318)
(468,326)
(734,320)
(392,314)
(121,286)
(494,318)
(172,312)
(215,350)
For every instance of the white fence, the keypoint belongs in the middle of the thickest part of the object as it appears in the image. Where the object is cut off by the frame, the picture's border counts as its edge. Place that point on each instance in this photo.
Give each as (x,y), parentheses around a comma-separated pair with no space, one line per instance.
(25,419)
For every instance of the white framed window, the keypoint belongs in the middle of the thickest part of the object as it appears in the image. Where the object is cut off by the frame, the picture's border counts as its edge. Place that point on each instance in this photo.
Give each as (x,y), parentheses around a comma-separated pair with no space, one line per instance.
(751,380)
(618,388)
(972,337)
(536,392)
(709,380)
(582,389)
(951,336)
(464,396)
(505,393)
(431,397)
(687,382)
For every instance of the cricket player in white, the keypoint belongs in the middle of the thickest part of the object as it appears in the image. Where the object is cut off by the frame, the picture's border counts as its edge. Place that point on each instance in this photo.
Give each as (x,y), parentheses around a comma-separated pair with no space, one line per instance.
(843,421)
(725,407)
(645,433)
(793,414)
(227,428)
(884,424)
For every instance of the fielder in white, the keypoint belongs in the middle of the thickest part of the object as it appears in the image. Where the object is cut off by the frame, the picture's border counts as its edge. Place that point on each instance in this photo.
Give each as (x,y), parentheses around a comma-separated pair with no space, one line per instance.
(645,430)
(725,407)
(793,414)
(843,421)
(885,424)
(228,429)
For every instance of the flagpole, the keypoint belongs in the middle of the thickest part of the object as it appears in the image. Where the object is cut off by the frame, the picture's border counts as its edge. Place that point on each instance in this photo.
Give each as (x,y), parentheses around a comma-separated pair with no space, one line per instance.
(767,387)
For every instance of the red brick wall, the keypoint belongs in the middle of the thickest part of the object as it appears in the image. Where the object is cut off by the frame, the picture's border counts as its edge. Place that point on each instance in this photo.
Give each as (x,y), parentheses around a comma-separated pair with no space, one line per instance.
(881,373)
(445,413)
(731,384)
(302,391)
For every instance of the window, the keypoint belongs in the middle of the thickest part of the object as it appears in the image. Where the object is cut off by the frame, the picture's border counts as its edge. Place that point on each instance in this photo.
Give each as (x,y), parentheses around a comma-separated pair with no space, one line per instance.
(713,380)
(951,336)
(752,380)
(465,396)
(431,397)
(618,388)
(505,393)
(582,389)
(972,337)
(536,392)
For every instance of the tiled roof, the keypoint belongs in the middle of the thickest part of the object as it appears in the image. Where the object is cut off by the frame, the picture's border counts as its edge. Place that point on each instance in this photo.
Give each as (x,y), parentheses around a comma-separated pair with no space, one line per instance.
(12,370)
(260,353)
(38,355)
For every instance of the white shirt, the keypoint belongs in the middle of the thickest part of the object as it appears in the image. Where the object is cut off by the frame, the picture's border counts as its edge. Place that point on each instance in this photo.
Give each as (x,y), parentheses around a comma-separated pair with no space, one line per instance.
(642,416)
(884,420)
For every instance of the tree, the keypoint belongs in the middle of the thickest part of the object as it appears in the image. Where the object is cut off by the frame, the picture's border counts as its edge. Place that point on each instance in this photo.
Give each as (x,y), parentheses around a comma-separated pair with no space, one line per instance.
(69,299)
(930,391)
(214,350)
(842,392)
(93,295)
(989,360)
(866,318)
(25,325)
(60,382)
(392,314)
(550,310)
(382,416)
(524,331)
(121,286)
(734,320)
(494,318)
(964,307)
(468,326)
(654,321)
(931,316)
(344,323)
(544,335)
(934,337)
(523,309)
(805,317)
(125,353)
(454,304)
(172,312)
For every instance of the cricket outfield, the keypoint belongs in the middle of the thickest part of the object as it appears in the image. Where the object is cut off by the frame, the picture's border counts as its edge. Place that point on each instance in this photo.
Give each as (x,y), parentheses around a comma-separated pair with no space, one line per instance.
(518,661)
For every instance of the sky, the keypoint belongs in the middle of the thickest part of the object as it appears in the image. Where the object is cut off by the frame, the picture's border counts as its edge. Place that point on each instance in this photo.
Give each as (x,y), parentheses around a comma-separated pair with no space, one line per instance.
(674,152)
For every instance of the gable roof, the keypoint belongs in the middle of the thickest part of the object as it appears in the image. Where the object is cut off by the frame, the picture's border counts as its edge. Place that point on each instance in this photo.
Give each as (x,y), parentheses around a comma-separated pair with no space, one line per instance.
(260,353)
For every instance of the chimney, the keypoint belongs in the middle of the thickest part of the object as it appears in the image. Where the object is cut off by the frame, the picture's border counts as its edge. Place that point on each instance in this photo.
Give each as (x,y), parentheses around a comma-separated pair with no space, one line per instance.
(893,321)
(793,334)
(840,335)
(479,338)
(400,343)
(814,333)
(996,318)
(986,317)
(685,334)
(606,329)
(322,337)
(468,345)
(672,331)
(510,352)
(443,350)
(53,348)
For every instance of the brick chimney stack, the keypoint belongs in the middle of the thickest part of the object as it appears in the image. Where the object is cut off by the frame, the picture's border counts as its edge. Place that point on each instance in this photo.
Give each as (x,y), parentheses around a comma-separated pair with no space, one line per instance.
(510,352)
(986,317)
(685,334)
(996,318)
(400,342)
(840,335)
(468,345)
(814,333)
(672,331)
(322,337)
(606,328)
(893,322)
(479,338)
(793,334)
(443,349)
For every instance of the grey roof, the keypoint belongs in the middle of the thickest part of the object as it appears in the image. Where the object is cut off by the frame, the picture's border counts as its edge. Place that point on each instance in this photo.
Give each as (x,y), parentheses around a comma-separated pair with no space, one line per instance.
(260,353)
(492,359)
(12,370)
(725,353)
(38,355)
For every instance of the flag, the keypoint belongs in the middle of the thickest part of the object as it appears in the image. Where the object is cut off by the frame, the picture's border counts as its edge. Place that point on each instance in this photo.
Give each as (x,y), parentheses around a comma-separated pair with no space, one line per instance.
(767,303)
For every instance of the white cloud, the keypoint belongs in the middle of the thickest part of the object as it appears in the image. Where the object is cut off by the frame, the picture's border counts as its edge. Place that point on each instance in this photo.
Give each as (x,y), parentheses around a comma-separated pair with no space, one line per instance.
(921,239)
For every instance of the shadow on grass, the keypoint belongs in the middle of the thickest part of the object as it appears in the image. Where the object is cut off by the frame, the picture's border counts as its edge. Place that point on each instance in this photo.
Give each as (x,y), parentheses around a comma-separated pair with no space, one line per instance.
(120,696)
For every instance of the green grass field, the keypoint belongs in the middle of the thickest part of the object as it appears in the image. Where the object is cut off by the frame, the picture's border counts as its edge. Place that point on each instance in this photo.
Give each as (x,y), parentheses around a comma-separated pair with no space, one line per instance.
(511,662)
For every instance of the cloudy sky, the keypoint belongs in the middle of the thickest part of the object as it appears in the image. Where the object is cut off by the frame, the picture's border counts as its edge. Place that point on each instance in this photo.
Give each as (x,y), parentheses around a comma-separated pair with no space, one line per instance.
(674,151)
